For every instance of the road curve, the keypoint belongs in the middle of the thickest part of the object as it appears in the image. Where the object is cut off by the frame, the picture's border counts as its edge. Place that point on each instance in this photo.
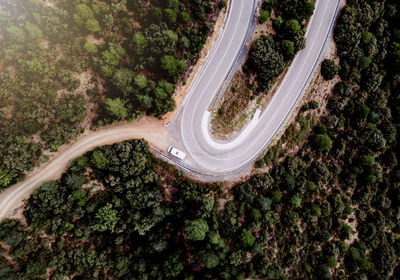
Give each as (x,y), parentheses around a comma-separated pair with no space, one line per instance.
(189,130)
(219,158)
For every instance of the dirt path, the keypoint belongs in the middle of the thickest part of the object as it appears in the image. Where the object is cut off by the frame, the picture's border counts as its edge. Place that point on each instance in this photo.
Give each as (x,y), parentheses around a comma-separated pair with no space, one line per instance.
(152,130)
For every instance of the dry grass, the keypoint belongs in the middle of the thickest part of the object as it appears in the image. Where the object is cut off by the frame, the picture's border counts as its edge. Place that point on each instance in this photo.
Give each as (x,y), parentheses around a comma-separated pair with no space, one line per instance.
(232,113)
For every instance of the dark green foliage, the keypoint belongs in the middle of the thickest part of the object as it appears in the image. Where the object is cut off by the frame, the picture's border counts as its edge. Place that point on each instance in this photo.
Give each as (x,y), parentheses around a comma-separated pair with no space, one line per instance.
(266,60)
(329,69)
(113,47)
(292,222)
(320,142)
(269,55)
(196,230)
(264,16)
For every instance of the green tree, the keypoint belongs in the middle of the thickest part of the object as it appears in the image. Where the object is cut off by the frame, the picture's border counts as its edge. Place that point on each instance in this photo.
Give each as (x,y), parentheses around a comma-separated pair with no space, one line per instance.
(209,260)
(264,16)
(172,66)
(84,16)
(91,48)
(247,239)
(93,25)
(329,69)
(116,108)
(288,49)
(291,26)
(196,230)
(170,16)
(99,160)
(267,61)
(295,201)
(141,81)
(320,142)
(139,43)
(106,218)
(122,79)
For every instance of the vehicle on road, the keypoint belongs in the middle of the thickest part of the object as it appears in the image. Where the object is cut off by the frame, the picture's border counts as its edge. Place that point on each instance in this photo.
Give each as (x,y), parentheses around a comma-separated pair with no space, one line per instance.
(176,153)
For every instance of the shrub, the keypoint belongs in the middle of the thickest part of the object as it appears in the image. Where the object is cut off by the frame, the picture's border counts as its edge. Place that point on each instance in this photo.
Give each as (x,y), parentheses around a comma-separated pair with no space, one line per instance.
(329,69)
(264,16)
(320,142)
(196,230)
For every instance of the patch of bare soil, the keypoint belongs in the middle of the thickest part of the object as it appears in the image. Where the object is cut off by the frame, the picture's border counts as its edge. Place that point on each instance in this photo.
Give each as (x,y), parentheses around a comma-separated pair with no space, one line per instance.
(86,83)
(232,113)
(49,3)
(182,88)
(91,39)
(264,29)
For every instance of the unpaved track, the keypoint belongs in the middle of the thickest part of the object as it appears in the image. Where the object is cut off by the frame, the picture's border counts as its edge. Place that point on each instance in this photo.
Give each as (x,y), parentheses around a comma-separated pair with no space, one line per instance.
(148,128)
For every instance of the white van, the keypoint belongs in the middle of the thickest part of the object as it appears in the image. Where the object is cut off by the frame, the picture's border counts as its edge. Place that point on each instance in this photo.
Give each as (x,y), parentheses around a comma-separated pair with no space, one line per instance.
(176,153)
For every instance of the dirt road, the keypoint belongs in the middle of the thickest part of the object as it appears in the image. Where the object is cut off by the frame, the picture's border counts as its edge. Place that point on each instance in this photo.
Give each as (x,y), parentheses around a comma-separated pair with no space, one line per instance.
(148,128)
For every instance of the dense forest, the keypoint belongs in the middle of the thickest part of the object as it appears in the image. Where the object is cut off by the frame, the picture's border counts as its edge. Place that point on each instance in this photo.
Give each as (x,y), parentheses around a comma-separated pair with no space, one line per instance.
(330,211)
(270,54)
(113,59)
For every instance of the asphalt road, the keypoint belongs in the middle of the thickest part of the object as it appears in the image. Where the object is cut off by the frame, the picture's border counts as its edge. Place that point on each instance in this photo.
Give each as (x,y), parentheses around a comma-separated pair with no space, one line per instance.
(218,158)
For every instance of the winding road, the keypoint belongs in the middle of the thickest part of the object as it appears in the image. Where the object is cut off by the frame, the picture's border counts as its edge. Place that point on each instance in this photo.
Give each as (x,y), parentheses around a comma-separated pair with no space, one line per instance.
(189,130)
(218,158)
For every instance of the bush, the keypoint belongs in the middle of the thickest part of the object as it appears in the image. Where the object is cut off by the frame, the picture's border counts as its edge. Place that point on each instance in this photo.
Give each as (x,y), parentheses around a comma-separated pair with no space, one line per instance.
(329,69)
(320,129)
(264,16)
(247,239)
(196,230)
(320,142)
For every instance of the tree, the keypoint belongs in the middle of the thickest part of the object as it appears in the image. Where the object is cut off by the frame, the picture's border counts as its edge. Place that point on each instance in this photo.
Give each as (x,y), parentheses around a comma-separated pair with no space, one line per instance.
(264,16)
(71,108)
(209,260)
(99,160)
(116,108)
(173,266)
(267,60)
(141,81)
(291,26)
(6,177)
(106,218)
(91,48)
(34,32)
(84,16)
(110,59)
(122,79)
(15,34)
(196,230)
(172,66)
(367,160)
(295,201)
(160,40)
(93,25)
(329,69)
(287,49)
(170,16)
(247,239)
(139,43)
(245,193)
(320,142)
